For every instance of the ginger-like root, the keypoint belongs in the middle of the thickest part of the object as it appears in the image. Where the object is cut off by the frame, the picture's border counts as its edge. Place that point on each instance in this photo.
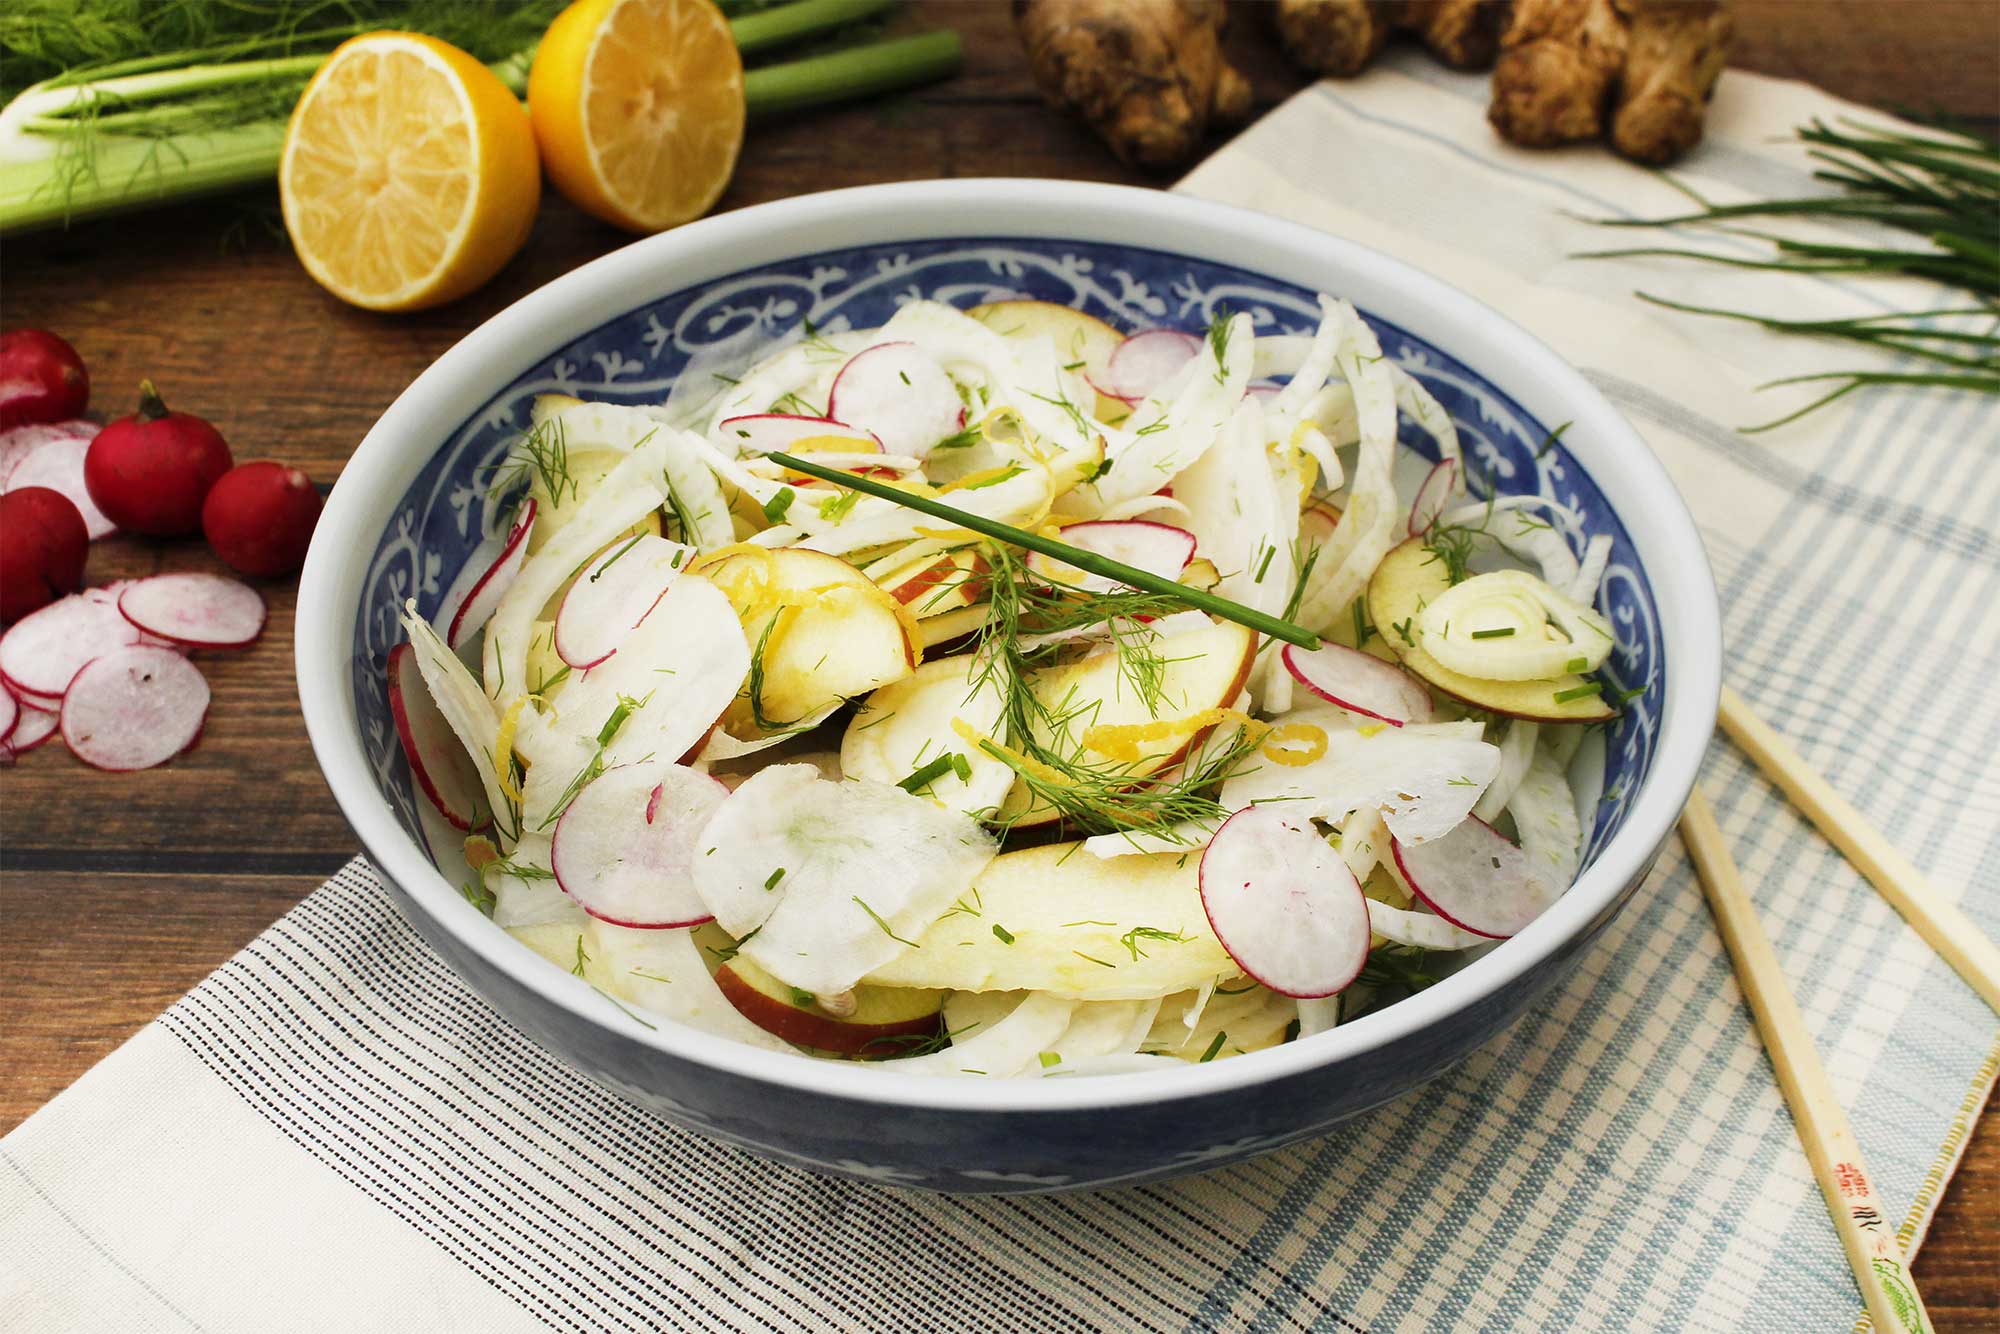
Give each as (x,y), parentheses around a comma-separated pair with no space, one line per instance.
(1340,37)
(1645,67)
(1147,75)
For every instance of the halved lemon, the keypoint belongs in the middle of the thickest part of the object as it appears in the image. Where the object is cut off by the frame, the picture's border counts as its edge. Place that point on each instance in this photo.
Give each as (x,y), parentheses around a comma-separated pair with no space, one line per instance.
(638,107)
(409,175)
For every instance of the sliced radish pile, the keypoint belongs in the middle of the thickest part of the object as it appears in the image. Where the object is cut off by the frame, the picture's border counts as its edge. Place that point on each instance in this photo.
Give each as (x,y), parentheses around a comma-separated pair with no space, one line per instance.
(1145,361)
(438,761)
(134,708)
(480,604)
(625,846)
(58,465)
(31,729)
(195,610)
(900,394)
(1156,548)
(1284,904)
(10,714)
(762,432)
(613,594)
(1433,495)
(1474,878)
(22,441)
(45,648)
(1360,683)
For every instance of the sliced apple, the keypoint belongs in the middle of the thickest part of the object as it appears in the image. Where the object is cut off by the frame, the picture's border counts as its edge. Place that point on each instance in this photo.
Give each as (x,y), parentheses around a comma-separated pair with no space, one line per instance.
(1409,578)
(1078,338)
(951,625)
(910,722)
(821,629)
(1055,919)
(1203,670)
(883,1022)
(933,585)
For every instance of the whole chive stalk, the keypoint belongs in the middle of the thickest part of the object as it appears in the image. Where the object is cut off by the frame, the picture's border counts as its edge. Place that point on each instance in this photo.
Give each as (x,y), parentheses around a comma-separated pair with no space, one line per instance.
(1262,622)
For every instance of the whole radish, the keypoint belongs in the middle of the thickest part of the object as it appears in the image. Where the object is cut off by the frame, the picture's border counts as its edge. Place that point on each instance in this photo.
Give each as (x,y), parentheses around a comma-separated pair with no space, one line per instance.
(150,472)
(259,518)
(42,379)
(43,543)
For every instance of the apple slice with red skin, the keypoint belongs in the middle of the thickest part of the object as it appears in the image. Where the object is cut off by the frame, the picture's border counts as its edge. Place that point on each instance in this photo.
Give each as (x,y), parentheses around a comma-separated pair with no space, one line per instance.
(444,772)
(886,1022)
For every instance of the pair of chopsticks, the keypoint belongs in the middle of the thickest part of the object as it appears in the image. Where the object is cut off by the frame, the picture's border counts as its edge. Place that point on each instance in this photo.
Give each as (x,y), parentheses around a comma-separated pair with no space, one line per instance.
(1859,1216)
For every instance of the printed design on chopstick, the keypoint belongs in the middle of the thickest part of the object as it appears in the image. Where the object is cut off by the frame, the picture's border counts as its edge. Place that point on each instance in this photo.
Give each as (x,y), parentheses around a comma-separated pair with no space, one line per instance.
(452,523)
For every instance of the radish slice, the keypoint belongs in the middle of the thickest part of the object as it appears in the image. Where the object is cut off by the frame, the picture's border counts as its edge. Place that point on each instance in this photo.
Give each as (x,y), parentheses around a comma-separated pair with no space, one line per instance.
(484,599)
(1156,548)
(1433,494)
(22,441)
(613,594)
(438,760)
(900,395)
(45,648)
(134,708)
(1144,362)
(1360,683)
(762,432)
(1284,904)
(196,610)
(1475,878)
(624,848)
(1426,931)
(31,729)
(834,878)
(58,465)
(10,714)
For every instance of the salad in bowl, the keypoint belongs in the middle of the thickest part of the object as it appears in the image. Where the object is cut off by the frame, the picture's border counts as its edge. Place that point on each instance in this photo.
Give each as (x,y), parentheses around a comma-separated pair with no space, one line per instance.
(995,693)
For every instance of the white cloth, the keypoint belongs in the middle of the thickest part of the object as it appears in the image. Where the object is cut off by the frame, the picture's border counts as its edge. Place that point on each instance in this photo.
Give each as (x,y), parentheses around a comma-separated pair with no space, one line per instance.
(333,1133)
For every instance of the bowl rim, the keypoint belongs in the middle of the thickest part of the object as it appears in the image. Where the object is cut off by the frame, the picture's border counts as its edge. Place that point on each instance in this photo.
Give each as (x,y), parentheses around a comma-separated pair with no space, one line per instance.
(1634,482)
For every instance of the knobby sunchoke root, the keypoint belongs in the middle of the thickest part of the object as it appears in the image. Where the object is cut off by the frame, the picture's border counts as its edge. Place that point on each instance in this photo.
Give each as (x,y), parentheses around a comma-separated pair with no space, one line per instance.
(1341,36)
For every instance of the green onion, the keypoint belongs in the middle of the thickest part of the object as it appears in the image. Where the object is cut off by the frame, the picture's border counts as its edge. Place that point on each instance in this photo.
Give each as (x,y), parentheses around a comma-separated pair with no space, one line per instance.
(1006,937)
(927,774)
(1500,633)
(1214,1046)
(1089,561)
(1578,692)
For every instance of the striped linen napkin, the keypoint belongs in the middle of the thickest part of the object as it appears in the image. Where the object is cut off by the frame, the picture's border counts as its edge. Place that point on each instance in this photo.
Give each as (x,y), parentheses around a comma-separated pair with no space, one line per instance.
(333,1133)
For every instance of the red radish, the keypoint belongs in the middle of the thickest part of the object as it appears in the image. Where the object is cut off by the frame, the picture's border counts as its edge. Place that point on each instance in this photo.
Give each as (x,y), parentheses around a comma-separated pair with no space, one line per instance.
(899,394)
(10,713)
(1433,495)
(59,466)
(43,546)
(31,729)
(1145,361)
(612,595)
(259,518)
(1284,904)
(195,610)
(1474,878)
(43,650)
(484,599)
(1360,683)
(762,432)
(22,441)
(624,848)
(1156,548)
(444,772)
(134,708)
(151,471)
(42,379)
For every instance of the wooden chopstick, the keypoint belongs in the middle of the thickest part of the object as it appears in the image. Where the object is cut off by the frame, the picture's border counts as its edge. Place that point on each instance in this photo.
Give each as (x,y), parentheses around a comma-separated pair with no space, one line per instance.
(1938,920)
(1858,1213)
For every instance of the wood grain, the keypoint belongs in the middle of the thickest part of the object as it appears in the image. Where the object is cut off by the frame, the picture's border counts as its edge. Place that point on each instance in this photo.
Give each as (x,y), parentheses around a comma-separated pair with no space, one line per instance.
(117,893)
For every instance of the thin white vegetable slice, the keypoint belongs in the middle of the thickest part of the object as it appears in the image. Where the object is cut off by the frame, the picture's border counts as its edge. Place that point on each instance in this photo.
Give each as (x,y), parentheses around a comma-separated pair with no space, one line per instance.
(905,725)
(1097,1029)
(134,708)
(836,879)
(1544,809)
(195,610)
(1426,931)
(1433,494)
(613,594)
(1132,843)
(624,847)
(58,465)
(44,649)
(663,972)
(1360,683)
(762,432)
(20,441)
(898,393)
(1164,437)
(1010,1046)
(464,705)
(1517,751)
(1510,625)
(532,899)
(484,599)
(1284,904)
(1141,364)
(1474,878)
(445,773)
(1153,547)
(31,729)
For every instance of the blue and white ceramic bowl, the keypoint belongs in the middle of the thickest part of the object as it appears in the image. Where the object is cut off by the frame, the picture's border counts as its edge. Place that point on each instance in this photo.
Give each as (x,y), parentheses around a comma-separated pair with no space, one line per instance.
(410,510)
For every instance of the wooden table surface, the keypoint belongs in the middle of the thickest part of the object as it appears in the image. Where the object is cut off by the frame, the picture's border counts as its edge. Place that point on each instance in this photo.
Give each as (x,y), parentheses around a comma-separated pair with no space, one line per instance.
(118,892)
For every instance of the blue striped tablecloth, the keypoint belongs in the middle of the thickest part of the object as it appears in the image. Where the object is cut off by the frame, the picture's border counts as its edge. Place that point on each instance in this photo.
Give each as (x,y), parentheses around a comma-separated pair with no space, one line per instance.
(333,1133)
